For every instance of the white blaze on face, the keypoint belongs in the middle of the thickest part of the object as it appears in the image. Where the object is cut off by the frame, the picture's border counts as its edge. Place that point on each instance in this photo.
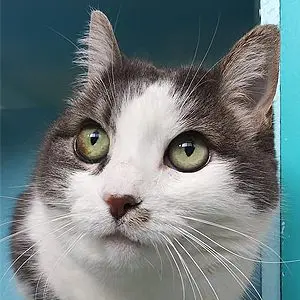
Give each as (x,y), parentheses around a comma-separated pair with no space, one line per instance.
(144,128)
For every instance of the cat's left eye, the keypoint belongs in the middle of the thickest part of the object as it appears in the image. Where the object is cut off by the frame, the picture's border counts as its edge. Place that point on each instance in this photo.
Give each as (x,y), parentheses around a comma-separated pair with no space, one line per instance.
(91,144)
(187,152)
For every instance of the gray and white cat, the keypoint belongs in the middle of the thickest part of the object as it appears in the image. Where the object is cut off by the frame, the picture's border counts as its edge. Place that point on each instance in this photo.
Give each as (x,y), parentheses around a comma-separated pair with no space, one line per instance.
(153,183)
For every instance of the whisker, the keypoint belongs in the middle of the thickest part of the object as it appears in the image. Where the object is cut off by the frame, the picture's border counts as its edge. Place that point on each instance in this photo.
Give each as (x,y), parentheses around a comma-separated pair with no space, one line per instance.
(32,255)
(28,249)
(230,251)
(193,59)
(38,224)
(179,272)
(215,254)
(193,279)
(150,263)
(106,89)
(201,271)
(28,200)
(8,222)
(206,53)
(200,81)
(112,76)
(239,281)
(161,262)
(18,186)
(117,18)
(185,267)
(10,197)
(241,233)
(70,248)
(171,264)
(64,37)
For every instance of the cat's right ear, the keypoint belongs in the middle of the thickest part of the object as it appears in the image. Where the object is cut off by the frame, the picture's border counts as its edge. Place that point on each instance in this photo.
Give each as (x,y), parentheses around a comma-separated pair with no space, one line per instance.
(101,49)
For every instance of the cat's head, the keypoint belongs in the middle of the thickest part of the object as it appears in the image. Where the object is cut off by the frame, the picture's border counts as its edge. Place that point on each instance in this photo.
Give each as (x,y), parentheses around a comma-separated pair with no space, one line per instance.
(141,152)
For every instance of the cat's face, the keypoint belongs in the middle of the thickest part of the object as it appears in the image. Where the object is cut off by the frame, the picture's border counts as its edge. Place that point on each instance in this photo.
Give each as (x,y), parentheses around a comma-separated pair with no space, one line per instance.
(183,143)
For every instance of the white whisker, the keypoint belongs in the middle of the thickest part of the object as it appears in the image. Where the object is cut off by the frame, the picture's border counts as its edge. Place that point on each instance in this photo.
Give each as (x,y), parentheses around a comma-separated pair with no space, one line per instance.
(117,18)
(171,264)
(176,264)
(193,279)
(215,254)
(37,224)
(240,233)
(64,37)
(193,59)
(185,267)
(28,249)
(161,262)
(69,249)
(206,53)
(201,271)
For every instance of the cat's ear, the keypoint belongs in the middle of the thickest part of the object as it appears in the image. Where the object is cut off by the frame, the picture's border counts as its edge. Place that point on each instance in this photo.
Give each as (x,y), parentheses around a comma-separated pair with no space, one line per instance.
(249,75)
(101,49)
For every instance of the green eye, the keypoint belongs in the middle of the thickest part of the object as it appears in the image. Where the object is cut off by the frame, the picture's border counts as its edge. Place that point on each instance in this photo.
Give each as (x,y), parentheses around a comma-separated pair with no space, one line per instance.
(92,144)
(188,152)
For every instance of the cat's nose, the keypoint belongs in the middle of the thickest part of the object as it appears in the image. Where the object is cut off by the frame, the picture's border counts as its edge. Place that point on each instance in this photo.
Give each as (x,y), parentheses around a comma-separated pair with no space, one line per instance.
(120,205)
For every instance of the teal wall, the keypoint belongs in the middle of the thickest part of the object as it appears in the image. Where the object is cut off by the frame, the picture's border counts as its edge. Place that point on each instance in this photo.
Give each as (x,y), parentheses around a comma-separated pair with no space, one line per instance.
(36,61)
(271,272)
(290,147)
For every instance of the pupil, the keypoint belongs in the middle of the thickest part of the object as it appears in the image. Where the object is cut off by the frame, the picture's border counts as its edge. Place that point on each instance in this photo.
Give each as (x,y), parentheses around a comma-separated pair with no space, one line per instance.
(189,148)
(94,137)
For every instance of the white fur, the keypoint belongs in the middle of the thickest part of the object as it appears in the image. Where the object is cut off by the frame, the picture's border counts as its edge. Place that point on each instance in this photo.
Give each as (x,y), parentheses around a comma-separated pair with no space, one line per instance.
(115,269)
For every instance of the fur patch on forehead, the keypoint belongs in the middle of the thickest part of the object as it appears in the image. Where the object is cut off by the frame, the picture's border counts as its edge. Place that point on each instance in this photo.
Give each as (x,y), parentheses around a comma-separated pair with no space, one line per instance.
(154,109)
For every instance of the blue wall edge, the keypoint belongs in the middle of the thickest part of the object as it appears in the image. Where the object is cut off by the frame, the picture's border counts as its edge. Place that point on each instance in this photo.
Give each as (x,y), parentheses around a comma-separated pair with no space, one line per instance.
(271,286)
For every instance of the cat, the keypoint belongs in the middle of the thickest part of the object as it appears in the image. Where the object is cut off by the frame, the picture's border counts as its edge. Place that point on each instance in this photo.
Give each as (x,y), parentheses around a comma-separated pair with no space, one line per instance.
(153,183)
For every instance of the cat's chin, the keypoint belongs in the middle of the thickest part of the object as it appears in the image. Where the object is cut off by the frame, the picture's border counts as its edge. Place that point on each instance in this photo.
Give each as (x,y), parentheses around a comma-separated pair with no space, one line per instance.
(117,250)
(118,239)
(122,252)
(111,252)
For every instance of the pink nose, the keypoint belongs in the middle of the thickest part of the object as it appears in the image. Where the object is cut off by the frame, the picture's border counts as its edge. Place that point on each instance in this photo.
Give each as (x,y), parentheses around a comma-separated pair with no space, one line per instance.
(120,205)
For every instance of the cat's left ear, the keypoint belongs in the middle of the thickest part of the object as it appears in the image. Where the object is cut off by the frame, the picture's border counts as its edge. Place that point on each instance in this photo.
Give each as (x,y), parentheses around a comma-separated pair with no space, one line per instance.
(101,47)
(249,75)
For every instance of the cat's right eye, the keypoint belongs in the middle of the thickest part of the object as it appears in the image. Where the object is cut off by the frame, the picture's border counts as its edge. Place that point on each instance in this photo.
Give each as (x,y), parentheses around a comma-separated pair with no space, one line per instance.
(187,152)
(91,144)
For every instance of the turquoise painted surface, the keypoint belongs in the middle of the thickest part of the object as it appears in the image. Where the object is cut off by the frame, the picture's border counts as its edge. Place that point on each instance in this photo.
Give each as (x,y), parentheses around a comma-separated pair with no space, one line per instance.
(36,62)
(270,14)
(290,146)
